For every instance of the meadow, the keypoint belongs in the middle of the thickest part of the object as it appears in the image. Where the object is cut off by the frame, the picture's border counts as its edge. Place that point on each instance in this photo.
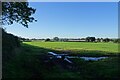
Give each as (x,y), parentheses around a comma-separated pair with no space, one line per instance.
(87,48)
(30,57)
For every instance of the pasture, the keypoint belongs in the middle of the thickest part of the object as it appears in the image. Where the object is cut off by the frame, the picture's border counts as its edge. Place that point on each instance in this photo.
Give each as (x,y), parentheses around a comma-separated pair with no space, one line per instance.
(90,48)
(29,61)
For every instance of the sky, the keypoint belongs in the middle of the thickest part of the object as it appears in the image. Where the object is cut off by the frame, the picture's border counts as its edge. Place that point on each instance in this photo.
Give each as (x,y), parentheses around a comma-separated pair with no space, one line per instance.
(70,20)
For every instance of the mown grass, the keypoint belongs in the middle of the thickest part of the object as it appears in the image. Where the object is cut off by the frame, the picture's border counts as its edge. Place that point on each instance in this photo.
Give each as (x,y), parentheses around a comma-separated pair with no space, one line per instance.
(83,48)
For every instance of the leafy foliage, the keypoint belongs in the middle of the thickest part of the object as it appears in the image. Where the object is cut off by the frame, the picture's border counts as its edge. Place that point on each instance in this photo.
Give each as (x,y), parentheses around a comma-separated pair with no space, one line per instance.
(19,12)
(90,39)
(9,43)
(56,39)
(116,40)
(47,39)
(106,40)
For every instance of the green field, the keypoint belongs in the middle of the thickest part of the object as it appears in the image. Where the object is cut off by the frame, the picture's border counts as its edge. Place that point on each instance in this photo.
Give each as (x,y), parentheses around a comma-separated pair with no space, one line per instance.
(29,61)
(78,47)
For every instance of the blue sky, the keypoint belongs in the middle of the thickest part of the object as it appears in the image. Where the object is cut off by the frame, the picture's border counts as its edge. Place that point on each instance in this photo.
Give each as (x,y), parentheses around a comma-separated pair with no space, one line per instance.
(70,20)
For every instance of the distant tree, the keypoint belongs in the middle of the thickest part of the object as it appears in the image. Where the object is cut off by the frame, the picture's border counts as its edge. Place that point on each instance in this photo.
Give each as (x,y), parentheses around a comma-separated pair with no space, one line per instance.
(83,39)
(27,40)
(47,39)
(22,39)
(106,40)
(65,40)
(92,39)
(98,40)
(116,40)
(33,39)
(88,39)
(19,12)
(56,39)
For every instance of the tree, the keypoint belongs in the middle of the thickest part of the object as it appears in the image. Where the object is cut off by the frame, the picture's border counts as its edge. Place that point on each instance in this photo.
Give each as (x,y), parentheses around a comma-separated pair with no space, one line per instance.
(98,40)
(56,39)
(116,40)
(19,12)
(47,39)
(90,39)
(106,40)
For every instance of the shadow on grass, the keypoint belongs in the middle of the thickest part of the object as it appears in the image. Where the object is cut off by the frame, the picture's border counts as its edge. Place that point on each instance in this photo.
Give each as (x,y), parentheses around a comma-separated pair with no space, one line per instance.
(29,64)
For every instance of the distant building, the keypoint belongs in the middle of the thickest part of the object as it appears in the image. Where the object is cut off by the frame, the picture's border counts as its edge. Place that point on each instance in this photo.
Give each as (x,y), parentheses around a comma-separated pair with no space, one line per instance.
(77,40)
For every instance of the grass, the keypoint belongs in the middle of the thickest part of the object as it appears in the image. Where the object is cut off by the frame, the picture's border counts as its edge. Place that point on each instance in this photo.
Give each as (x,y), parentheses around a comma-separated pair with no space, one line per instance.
(28,63)
(79,47)
(106,68)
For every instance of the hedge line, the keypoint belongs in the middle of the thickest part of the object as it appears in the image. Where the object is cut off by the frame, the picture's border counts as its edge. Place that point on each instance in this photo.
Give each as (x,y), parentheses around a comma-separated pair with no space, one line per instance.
(9,43)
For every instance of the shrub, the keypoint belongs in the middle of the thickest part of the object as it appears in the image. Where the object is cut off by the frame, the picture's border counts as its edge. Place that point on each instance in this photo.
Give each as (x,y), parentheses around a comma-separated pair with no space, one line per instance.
(9,43)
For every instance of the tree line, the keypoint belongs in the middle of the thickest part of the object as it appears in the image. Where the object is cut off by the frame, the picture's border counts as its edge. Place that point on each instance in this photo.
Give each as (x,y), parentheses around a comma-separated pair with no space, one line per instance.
(87,39)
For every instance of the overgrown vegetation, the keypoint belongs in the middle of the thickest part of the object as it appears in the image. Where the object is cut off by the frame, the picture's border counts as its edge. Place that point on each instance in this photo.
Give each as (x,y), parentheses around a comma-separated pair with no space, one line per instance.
(9,43)
(30,64)
(28,61)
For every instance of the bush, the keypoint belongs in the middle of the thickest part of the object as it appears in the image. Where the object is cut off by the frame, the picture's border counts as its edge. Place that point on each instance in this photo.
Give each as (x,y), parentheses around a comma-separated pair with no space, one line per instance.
(9,43)
(47,39)
(116,41)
